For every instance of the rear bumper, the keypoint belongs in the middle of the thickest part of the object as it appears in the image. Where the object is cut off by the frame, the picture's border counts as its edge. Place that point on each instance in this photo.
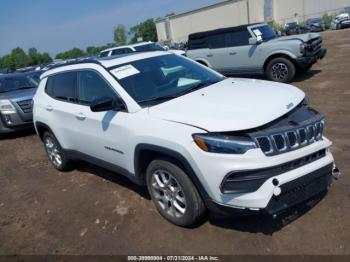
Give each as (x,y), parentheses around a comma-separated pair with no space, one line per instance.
(292,193)
(306,61)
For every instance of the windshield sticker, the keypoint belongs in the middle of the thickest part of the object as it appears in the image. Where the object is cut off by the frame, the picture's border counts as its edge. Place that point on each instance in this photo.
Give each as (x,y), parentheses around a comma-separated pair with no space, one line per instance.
(124,71)
(257,32)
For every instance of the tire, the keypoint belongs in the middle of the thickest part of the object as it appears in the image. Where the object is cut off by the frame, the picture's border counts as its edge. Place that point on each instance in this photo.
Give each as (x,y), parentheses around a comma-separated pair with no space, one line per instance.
(173,193)
(55,153)
(280,69)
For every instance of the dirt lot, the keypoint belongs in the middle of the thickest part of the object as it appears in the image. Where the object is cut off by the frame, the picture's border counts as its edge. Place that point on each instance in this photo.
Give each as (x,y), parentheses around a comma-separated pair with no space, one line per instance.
(93,211)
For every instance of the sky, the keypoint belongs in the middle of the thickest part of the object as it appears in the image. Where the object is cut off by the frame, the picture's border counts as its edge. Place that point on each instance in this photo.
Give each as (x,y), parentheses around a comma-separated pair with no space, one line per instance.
(58,25)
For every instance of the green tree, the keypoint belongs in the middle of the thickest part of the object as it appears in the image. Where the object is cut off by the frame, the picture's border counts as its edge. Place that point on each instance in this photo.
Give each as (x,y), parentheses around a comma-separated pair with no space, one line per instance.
(146,30)
(8,62)
(34,57)
(120,35)
(19,57)
(45,58)
(70,54)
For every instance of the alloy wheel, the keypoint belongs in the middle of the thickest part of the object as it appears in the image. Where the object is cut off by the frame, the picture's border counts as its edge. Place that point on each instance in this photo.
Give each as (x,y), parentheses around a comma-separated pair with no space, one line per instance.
(168,193)
(279,71)
(53,152)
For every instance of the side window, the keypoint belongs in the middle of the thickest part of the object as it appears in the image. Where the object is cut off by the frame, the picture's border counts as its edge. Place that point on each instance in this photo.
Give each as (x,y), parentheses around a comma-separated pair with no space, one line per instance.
(238,38)
(62,86)
(92,86)
(121,51)
(216,41)
(104,54)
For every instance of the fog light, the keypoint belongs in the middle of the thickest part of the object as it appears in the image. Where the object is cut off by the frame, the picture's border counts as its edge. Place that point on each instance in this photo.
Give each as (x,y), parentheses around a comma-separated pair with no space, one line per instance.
(8,119)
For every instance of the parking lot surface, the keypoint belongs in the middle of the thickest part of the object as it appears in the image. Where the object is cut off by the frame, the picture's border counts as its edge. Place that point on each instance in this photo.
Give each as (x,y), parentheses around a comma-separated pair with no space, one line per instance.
(93,211)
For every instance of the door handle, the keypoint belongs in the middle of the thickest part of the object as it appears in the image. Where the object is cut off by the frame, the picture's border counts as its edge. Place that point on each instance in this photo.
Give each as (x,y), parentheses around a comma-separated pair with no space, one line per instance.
(49,108)
(210,55)
(233,53)
(80,116)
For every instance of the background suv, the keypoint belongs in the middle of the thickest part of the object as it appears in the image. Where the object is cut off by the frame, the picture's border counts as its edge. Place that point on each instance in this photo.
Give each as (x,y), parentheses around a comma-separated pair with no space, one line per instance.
(256,49)
(197,140)
(16,93)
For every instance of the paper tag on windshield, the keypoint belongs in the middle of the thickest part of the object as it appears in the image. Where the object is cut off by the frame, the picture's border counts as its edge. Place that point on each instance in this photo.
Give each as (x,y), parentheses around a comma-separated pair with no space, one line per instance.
(124,71)
(257,32)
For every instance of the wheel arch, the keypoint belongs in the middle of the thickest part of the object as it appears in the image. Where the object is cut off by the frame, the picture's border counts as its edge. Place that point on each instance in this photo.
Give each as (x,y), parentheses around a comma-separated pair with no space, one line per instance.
(277,55)
(146,153)
(41,128)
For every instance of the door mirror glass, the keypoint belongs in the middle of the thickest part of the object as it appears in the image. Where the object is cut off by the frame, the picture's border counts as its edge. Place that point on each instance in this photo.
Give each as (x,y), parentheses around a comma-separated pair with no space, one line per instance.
(105,104)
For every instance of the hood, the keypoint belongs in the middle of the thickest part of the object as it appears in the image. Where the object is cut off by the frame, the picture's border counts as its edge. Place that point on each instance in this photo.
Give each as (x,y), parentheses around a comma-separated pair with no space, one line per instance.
(17,95)
(231,105)
(301,37)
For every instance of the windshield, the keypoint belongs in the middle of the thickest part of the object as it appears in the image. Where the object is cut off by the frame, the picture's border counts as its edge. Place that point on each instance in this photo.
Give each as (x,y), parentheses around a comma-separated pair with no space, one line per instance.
(157,79)
(315,20)
(15,82)
(264,32)
(149,47)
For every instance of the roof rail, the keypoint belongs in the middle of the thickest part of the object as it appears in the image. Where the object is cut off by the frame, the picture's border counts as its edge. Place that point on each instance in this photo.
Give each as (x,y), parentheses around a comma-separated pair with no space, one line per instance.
(77,62)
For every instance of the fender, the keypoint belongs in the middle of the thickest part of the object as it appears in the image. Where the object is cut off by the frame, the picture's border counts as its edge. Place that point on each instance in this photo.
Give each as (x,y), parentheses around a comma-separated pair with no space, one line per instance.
(39,124)
(174,155)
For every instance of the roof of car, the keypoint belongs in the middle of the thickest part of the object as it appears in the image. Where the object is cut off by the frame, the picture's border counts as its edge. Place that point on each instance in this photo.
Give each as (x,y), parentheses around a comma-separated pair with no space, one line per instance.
(126,46)
(219,31)
(106,62)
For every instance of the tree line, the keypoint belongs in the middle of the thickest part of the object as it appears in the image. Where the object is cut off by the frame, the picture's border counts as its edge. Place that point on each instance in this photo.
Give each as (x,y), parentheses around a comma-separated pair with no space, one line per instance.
(18,58)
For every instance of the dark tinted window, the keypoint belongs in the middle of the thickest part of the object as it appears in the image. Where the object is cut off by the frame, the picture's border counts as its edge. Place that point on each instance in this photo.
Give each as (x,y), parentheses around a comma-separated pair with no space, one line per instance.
(149,47)
(92,86)
(62,86)
(121,51)
(229,39)
(104,54)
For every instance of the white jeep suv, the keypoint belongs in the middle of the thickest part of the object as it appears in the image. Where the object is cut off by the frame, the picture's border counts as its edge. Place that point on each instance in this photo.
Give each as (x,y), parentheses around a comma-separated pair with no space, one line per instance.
(198,140)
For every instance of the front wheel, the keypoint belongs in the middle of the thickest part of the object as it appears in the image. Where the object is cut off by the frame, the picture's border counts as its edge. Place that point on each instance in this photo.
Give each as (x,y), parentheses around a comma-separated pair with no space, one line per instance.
(173,193)
(280,70)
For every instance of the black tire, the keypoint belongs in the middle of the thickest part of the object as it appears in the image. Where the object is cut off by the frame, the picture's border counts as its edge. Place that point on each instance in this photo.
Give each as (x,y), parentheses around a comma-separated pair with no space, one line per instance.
(280,69)
(65,163)
(194,206)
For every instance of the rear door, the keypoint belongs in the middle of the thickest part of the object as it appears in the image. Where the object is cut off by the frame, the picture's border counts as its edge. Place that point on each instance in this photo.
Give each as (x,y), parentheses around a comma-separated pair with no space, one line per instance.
(230,51)
(60,106)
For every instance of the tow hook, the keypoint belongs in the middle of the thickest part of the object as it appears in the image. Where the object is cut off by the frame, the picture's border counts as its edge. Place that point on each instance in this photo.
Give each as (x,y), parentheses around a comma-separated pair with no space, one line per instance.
(335,172)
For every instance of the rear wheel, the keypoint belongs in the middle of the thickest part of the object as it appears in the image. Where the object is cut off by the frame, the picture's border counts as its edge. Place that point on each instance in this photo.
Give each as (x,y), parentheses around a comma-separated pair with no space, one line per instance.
(280,69)
(173,193)
(55,152)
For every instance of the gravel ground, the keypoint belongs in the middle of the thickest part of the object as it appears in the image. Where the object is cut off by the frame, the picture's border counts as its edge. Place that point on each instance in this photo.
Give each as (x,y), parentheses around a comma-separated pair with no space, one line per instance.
(93,211)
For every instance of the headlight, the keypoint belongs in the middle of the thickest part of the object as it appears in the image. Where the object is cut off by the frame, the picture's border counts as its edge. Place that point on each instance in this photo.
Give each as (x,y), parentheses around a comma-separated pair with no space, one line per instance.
(225,144)
(6,107)
(302,48)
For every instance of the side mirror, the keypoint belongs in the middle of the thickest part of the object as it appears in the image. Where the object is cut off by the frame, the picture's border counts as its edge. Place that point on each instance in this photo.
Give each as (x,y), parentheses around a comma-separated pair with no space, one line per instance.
(105,104)
(253,41)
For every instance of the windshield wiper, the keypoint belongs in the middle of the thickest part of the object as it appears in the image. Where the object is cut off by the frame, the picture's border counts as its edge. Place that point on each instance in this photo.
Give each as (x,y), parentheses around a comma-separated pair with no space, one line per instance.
(193,88)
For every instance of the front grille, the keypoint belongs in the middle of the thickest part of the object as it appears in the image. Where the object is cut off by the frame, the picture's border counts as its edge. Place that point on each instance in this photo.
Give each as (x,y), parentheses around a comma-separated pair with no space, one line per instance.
(26,105)
(291,139)
(314,45)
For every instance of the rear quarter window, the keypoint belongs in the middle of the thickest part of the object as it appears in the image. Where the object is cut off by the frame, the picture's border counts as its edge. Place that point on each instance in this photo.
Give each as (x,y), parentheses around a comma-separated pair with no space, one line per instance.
(62,86)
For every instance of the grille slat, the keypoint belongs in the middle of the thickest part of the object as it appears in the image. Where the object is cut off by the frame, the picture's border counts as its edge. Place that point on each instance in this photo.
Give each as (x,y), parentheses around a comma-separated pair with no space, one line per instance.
(26,105)
(291,139)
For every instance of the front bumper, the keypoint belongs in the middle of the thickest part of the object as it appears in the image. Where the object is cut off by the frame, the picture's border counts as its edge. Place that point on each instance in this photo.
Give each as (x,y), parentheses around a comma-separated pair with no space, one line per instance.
(306,61)
(211,170)
(13,122)
(292,194)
